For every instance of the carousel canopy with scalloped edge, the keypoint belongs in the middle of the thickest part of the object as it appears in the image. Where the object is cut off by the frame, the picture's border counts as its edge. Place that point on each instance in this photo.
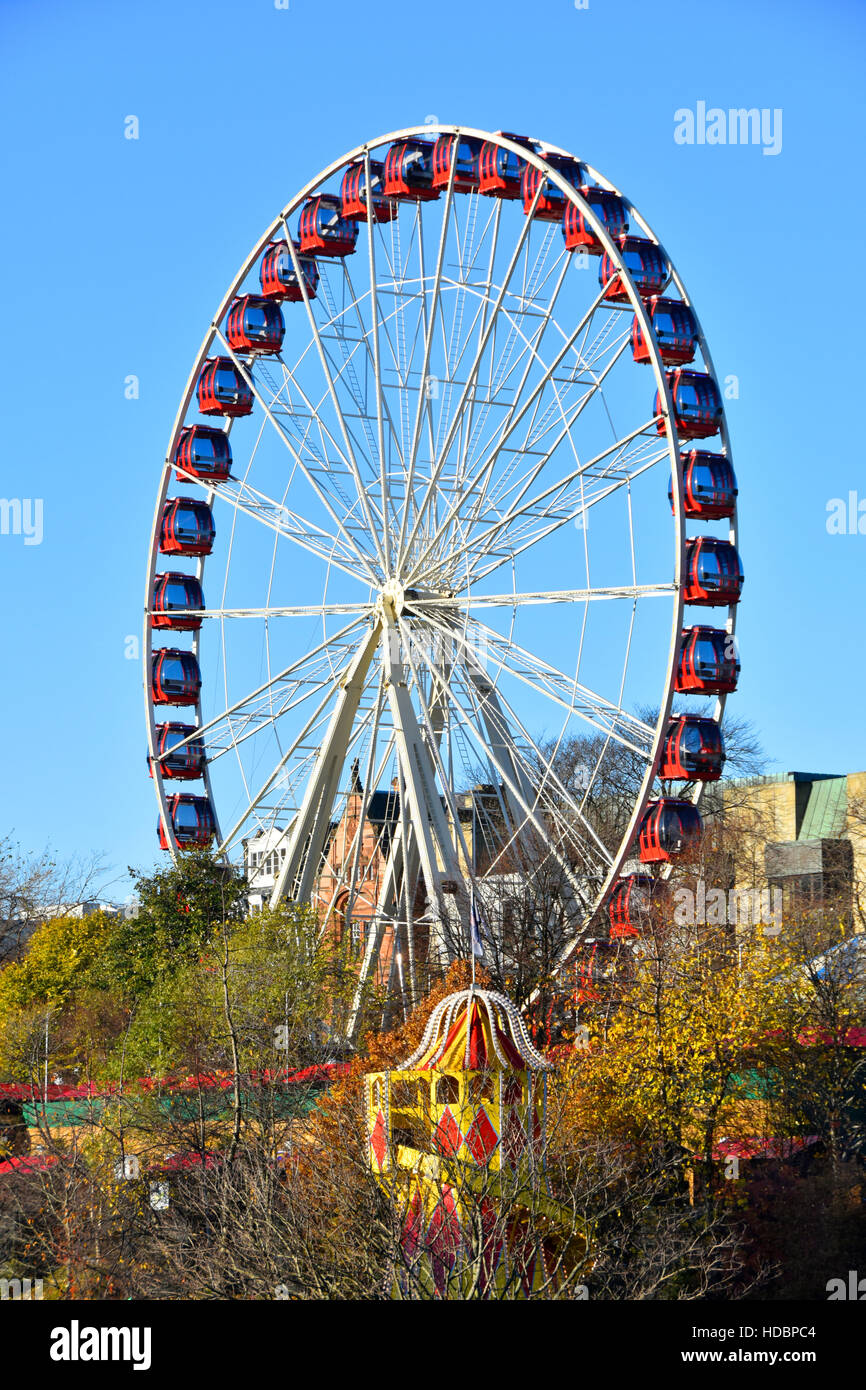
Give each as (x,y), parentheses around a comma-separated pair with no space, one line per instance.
(476,1030)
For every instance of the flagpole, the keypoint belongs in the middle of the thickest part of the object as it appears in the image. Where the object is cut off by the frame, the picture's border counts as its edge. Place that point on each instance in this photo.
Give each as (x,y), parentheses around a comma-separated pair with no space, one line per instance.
(476,944)
(471,936)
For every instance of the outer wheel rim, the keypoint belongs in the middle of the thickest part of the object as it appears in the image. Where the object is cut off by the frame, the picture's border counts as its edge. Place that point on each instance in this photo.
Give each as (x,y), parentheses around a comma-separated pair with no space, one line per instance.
(659,371)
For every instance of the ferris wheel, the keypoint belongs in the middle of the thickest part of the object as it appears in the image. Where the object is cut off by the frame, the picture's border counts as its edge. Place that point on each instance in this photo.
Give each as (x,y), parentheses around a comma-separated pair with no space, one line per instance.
(435,506)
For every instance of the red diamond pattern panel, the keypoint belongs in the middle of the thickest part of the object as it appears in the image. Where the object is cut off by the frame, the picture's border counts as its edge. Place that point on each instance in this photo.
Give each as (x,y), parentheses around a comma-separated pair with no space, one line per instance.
(492,1245)
(413,1227)
(443,1239)
(481,1138)
(448,1137)
(378,1140)
(513,1091)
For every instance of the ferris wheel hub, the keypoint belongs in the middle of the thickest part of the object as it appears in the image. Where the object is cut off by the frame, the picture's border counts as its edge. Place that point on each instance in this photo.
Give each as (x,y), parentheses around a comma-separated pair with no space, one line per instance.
(392,598)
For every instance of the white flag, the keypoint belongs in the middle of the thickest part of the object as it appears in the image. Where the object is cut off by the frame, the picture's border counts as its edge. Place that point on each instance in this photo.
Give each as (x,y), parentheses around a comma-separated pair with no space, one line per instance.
(475,927)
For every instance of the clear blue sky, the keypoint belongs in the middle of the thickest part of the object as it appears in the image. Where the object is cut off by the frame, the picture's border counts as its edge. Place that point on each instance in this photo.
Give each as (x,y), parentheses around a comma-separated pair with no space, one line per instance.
(115,253)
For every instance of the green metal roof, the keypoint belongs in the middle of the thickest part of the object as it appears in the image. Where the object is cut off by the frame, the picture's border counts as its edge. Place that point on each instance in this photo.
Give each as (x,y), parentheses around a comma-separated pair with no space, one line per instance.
(826,811)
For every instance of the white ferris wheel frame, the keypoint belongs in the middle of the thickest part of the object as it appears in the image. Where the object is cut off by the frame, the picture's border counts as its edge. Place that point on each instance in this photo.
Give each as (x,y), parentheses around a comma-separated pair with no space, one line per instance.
(431,842)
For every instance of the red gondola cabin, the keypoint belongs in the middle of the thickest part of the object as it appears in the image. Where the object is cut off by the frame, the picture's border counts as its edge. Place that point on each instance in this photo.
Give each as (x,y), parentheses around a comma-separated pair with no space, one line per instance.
(675,329)
(697,404)
(708,663)
(669,827)
(694,750)
(222,389)
(175,677)
(645,264)
(629,906)
(187,527)
(462,151)
(173,596)
(500,173)
(192,820)
(408,172)
(323,229)
(255,325)
(593,970)
(608,207)
(709,486)
(353,193)
(179,760)
(204,452)
(277,274)
(552,202)
(714,574)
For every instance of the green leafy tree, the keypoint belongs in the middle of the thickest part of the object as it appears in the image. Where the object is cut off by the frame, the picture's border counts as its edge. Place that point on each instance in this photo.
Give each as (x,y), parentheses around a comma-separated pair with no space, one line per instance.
(61,953)
(180,909)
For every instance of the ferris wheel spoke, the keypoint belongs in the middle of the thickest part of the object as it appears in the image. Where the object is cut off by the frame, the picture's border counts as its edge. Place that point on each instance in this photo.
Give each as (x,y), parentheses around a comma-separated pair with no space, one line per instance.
(321,651)
(554,685)
(272,779)
(284,522)
(501,368)
(245,724)
(470,381)
(576,698)
(522,405)
(529,534)
(562,407)
(525,525)
(432,316)
(493,224)
(480,318)
(499,719)
(294,777)
(428,320)
(509,600)
(377,361)
(362,492)
(337,471)
(402,356)
(432,720)
(393,348)
(314,610)
(374,359)
(527,305)
(241,728)
(476,483)
(644,436)
(481,480)
(535,766)
(346,374)
(352,542)
(529,812)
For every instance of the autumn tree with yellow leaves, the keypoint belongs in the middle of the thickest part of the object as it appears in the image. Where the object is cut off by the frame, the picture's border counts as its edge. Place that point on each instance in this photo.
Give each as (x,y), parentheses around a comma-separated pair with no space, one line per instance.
(666,1059)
